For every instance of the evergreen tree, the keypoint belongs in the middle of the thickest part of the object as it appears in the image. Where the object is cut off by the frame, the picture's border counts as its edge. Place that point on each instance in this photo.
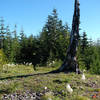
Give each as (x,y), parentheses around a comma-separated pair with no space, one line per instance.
(15,47)
(95,62)
(7,43)
(23,45)
(85,52)
(2,32)
(84,43)
(54,37)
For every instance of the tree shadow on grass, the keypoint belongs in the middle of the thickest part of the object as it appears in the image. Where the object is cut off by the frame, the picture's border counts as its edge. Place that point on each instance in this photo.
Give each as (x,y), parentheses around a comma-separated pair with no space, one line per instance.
(28,75)
(24,76)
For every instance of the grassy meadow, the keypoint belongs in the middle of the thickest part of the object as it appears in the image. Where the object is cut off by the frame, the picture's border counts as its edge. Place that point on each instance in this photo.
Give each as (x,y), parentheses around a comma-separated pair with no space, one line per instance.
(21,78)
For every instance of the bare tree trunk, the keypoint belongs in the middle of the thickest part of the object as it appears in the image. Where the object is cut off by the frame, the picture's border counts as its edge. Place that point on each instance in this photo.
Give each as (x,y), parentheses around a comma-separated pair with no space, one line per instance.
(70,64)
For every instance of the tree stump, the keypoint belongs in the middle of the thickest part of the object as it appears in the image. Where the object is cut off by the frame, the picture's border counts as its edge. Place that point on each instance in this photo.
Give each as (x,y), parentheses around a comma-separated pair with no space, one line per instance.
(70,63)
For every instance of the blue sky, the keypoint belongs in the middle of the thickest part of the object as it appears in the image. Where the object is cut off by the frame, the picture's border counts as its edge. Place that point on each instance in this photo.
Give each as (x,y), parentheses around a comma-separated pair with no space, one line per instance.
(32,14)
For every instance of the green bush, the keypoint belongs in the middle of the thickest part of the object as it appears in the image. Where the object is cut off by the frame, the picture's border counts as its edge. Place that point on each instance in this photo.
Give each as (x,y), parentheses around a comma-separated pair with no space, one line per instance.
(95,65)
(95,68)
(57,63)
(82,65)
(3,59)
(49,96)
(80,98)
(8,88)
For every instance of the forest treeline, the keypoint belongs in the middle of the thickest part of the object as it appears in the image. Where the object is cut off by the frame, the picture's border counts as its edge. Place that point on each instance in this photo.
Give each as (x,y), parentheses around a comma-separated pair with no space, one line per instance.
(50,45)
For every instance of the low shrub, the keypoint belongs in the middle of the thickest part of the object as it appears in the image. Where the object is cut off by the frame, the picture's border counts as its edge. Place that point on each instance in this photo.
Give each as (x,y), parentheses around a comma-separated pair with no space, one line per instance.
(3,59)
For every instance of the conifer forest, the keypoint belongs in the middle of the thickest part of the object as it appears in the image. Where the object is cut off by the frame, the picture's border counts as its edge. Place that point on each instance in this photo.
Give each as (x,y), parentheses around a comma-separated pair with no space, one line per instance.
(60,63)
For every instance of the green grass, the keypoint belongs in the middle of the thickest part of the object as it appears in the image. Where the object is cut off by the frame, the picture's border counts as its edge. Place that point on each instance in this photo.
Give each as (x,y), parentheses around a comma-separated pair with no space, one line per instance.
(22,78)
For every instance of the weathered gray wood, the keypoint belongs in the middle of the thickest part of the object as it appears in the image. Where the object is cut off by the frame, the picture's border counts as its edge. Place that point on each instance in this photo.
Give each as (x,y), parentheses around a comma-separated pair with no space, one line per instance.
(70,64)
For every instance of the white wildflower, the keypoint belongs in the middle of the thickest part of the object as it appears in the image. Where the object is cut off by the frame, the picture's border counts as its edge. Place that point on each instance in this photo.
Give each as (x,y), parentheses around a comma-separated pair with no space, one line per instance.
(53,62)
(69,89)
(49,99)
(30,64)
(45,88)
(83,77)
